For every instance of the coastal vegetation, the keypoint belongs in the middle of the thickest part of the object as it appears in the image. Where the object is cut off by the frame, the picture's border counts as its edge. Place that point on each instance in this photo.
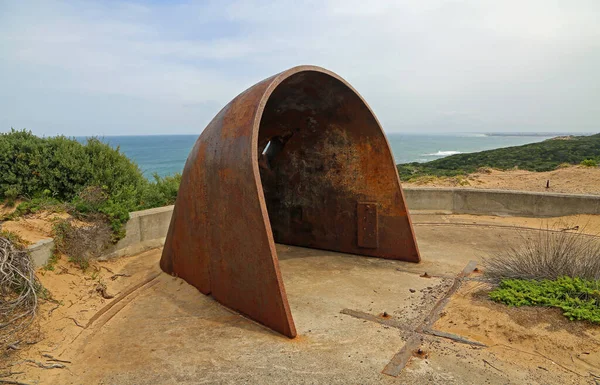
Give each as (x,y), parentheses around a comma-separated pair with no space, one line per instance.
(543,156)
(87,180)
(551,268)
(589,163)
(579,299)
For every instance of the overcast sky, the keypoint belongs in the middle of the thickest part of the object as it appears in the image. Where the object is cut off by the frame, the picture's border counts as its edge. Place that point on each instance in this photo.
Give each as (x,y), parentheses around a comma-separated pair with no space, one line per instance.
(118,68)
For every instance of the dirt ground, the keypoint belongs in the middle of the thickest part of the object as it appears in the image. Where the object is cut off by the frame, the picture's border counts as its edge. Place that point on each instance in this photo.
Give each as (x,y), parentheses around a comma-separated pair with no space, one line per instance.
(73,298)
(125,322)
(34,227)
(569,180)
(532,339)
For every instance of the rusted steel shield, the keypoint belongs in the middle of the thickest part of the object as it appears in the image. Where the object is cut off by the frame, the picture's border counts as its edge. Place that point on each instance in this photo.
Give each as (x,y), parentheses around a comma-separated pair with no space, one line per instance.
(299,159)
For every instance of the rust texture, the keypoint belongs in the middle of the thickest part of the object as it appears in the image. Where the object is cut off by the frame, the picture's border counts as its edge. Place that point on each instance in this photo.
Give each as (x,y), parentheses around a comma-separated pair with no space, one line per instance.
(300,159)
(368,233)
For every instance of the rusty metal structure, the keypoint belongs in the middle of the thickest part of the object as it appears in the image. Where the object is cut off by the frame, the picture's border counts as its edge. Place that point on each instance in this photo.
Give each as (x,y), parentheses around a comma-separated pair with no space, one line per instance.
(298,159)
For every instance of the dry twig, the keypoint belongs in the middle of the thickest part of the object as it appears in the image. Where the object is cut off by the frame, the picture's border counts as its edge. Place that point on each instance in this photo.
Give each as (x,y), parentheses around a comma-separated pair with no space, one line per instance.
(51,358)
(114,277)
(101,289)
(76,322)
(12,382)
(4,375)
(18,290)
(46,366)
(487,362)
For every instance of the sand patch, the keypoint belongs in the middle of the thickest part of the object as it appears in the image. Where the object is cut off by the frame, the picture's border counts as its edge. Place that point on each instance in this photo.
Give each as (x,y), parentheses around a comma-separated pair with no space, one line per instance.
(74,299)
(526,337)
(569,180)
(35,227)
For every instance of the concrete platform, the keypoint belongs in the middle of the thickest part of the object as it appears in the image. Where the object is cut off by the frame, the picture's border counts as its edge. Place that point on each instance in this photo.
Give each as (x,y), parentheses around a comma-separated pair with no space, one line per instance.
(165,332)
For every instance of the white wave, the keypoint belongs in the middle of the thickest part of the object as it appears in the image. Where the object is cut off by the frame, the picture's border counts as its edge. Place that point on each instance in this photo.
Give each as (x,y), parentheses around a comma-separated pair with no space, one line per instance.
(443,153)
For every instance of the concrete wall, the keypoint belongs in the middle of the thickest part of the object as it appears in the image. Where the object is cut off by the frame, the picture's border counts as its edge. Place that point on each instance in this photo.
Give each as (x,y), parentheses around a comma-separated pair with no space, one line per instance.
(147,229)
(41,251)
(499,202)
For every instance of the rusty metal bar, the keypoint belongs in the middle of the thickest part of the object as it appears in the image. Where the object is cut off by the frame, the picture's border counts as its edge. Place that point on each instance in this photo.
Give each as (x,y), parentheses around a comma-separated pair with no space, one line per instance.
(381,319)
(401,359)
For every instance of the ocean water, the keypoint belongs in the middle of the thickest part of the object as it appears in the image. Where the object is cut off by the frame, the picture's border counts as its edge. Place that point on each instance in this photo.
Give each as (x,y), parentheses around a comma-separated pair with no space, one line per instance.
(166,154)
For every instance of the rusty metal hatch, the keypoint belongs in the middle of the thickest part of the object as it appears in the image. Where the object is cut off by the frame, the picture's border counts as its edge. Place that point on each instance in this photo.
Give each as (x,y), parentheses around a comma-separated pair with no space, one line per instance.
(299,159)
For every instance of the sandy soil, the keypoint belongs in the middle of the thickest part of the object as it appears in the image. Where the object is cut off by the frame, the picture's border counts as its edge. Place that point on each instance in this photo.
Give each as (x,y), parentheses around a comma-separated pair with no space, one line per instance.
(532,339)
(6,209)
(74,298)
(33,228)
(571,180)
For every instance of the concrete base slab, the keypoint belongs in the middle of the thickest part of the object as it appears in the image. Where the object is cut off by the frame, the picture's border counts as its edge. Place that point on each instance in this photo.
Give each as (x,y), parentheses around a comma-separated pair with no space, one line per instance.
(195,338)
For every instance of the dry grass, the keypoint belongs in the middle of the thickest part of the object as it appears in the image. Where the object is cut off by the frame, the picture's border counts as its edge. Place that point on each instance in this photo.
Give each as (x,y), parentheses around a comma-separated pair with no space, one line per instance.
(550,253)
(81,241)
(18,291)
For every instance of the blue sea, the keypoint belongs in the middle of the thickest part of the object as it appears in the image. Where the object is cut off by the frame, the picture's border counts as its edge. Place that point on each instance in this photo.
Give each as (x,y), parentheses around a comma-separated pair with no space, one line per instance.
(166,154)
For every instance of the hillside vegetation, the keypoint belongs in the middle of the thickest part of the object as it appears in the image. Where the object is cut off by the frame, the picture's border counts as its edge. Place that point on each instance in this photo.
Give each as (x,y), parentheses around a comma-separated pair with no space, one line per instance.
(86,180)
(542,156)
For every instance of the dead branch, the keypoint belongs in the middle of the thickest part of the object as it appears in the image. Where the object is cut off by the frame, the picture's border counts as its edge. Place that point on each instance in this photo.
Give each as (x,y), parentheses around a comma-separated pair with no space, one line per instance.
(18,289)
(11,382)
(46,366)
(101,289)
(76,322)
(114,277)
(51,358)
(487,362)
(4,375)
(14,346)
(54,308)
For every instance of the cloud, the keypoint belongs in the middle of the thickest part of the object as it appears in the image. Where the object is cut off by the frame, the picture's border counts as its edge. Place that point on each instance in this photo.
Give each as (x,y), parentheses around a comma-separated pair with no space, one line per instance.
(143,68)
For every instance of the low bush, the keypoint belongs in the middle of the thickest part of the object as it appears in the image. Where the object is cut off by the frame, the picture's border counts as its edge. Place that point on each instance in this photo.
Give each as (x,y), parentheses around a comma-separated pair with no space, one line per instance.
(589,163)
(160,193)
(81,242)
(549,253)
(579,299)
(62,174)
(556,267)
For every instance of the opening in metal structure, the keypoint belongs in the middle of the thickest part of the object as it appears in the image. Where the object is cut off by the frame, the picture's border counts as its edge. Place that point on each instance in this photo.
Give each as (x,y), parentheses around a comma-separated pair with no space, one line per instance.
(300,159)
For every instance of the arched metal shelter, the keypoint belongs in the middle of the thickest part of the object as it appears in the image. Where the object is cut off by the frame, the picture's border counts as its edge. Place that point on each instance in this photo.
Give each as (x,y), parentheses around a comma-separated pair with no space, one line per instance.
(299,159)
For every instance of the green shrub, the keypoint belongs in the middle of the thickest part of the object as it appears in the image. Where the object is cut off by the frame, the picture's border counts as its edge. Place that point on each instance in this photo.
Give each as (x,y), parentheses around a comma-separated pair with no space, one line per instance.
(60,167)
(589,163)
(62,174)
(162,192)
(35,205)
(579,299)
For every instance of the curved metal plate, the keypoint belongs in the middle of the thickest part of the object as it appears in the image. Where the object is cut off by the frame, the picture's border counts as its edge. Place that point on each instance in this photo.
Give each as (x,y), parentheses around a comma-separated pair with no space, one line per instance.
(298,158)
